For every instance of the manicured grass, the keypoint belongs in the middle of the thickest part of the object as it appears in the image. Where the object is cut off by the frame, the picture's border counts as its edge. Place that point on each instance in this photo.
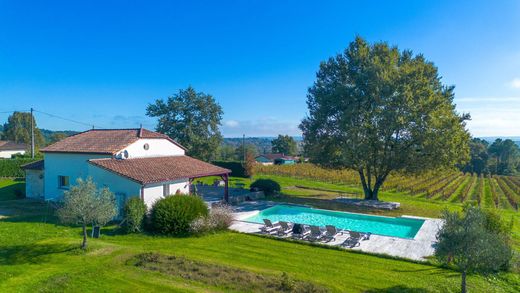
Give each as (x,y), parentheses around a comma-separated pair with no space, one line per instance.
(9,188)
(318,194)
(39,255)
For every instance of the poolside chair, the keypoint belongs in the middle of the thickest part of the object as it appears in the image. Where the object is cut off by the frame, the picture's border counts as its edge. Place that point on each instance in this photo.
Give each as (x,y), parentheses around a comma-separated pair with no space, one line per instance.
(299,231)
(284,228)
(316,233)
(331,232)
(268,227)
(353,239)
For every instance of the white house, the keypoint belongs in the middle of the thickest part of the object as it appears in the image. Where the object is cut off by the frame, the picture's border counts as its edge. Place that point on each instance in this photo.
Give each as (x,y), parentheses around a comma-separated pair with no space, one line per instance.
(9,148)
(130,162)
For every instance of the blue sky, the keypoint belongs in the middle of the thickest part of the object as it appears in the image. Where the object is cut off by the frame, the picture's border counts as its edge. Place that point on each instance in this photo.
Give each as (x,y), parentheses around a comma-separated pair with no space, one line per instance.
(102,62)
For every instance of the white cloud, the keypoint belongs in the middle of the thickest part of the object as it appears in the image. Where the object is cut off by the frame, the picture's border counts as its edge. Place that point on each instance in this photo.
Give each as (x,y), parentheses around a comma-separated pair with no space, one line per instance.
(231,123)
(492,116)
(515,83)
(268,126)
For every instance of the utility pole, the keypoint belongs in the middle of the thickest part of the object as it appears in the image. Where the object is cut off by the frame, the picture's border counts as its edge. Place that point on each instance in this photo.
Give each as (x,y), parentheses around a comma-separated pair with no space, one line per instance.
(32,133)
(243,147)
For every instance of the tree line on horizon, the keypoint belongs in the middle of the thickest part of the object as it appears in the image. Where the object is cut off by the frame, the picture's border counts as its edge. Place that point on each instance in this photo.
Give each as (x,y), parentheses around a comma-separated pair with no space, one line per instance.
(501,157)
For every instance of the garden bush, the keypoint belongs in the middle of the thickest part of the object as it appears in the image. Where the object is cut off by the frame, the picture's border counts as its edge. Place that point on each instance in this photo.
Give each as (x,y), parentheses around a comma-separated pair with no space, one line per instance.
(174,214)
(12,167)
(135,212)
(268,186)
(219,219)
(237,169)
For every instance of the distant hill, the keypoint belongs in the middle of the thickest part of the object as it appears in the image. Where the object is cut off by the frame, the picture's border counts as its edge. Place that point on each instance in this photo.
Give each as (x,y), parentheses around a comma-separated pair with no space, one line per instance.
(262,144)
(47,134)
(491,139)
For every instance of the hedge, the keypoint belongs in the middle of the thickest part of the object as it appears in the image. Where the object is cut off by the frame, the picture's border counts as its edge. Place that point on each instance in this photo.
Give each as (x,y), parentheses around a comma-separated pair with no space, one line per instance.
(12,167)
(237,170)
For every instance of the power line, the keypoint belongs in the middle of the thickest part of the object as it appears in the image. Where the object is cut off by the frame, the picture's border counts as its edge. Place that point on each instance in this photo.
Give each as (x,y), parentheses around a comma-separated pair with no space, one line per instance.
(55,116)
(67,119)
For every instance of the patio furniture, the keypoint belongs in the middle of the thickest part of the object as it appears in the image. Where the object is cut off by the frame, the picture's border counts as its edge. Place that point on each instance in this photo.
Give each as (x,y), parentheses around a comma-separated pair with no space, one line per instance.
(353,239)
(331,232)
(268,227)
(316,233)
(284,229)
(299,231)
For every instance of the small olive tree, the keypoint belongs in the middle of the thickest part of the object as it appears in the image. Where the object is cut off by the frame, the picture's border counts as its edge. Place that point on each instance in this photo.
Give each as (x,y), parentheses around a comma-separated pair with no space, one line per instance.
(85,204)
(473,242)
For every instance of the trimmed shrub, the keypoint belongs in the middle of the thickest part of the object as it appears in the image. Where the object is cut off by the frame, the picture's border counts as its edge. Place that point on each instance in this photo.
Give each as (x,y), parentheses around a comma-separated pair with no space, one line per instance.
(268,186)
(174,214)
(237,169)
(134,211)
(219,219)
(12,167)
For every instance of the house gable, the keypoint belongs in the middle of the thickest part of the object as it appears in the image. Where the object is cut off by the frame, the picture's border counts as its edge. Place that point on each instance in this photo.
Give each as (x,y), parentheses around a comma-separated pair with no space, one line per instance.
(150,147)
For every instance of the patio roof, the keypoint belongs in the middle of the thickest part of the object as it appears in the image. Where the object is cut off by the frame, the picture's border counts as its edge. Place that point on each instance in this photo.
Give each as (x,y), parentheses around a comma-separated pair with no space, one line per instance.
(159,169)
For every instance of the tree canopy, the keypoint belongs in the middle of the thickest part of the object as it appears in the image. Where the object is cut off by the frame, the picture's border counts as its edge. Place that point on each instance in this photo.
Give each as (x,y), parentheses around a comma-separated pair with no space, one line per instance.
(502,157)
(284,144)
(192,118)
(506,155)
(377,109)
(475,242)
(85,204)
(18,129)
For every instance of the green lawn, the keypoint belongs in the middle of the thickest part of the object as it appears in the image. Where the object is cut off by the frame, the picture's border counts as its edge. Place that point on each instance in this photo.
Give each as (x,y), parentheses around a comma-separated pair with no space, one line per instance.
(38,255)
(10,188)
(318,194)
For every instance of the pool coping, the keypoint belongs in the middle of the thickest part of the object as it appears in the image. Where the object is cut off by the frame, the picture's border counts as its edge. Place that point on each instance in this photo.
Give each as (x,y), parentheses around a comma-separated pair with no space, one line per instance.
(418,248)
(242,218)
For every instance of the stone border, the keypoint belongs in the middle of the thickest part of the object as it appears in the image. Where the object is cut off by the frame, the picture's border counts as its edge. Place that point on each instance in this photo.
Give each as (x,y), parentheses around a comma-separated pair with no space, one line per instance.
(419,248)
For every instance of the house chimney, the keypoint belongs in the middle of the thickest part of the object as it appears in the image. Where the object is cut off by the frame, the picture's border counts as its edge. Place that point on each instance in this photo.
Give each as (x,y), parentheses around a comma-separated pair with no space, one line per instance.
(140,134)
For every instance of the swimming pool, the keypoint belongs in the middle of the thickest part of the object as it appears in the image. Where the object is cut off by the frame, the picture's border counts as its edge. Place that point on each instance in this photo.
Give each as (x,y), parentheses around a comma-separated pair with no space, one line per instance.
(388,226)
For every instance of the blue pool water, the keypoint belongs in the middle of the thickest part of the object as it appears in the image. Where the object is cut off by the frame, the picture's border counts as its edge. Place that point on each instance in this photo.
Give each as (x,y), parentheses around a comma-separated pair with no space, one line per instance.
(388,226)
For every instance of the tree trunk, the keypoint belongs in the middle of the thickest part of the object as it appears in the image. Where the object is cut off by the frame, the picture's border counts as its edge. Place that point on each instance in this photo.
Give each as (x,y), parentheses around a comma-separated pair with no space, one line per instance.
(84,244)
(463,283)
(371,193)
(366,188)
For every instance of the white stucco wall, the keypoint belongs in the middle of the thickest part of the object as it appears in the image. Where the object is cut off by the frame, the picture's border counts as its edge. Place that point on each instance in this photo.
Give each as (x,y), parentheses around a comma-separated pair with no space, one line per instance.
(65,164)
(116,184)
(157,148)
(34,183)
(8,154)
(153,192)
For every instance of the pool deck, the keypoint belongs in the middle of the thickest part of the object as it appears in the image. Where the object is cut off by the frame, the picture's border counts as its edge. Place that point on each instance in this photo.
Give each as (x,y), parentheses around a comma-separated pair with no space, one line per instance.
(418,248)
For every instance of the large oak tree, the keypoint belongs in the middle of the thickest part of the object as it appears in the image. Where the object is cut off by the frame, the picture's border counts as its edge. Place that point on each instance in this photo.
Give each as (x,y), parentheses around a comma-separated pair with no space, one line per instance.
(18,129)
(192,118)
(377,109)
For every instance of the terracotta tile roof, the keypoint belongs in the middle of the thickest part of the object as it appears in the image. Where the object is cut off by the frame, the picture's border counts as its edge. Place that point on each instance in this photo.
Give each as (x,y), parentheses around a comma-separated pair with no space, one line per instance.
(7,145)
(38,165)
(159,169)
(102,141)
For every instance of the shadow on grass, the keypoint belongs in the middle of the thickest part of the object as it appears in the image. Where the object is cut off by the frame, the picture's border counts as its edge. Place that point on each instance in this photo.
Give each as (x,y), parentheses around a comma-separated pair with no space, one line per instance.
(12,191)
(35,254)
(28,210)
(398,289)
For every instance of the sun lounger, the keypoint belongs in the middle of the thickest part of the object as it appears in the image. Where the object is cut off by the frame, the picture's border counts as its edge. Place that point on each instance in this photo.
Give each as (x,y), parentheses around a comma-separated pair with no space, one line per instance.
(284,228)
(331,232)
(299,231)
(353,239)
(315,234)
(268,227)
